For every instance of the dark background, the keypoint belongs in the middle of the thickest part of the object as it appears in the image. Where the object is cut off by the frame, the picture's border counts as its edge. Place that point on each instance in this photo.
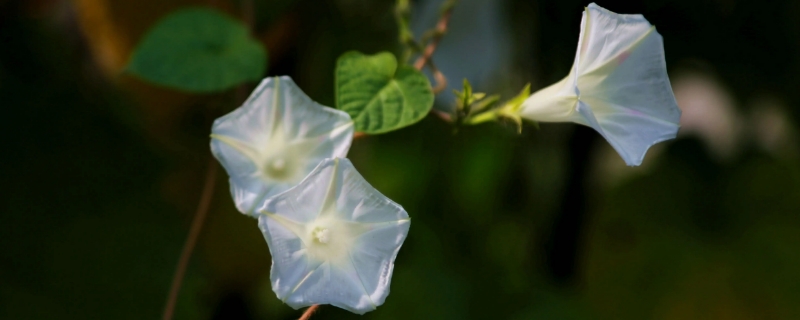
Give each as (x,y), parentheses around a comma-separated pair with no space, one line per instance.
(100,173)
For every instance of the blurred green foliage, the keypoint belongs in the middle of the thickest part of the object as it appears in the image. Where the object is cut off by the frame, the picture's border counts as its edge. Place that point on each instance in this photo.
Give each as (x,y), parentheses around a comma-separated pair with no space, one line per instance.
(84,230)
(97,196)
(198,50)
(697,241)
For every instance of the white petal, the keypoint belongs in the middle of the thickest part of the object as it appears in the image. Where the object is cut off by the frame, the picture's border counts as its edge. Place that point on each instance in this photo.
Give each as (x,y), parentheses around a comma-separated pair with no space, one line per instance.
(302,203)
(356,200)
(337,285)
(352,268)
(257,117)
(290,264)
(374,254)
(620,85)
(555,103)
(277,127)
(607,35)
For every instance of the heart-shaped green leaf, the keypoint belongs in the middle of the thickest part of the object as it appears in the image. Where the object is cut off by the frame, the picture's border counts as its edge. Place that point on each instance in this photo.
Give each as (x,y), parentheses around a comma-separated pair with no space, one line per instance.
(379,95)
(198,50)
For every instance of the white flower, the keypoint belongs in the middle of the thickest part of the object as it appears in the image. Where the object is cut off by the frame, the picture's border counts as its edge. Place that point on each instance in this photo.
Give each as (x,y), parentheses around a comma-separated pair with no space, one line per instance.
(275,139)
(618,85)
(333,240)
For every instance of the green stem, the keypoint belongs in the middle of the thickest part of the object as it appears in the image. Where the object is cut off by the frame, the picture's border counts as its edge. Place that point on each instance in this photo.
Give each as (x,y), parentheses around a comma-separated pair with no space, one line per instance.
(402,14)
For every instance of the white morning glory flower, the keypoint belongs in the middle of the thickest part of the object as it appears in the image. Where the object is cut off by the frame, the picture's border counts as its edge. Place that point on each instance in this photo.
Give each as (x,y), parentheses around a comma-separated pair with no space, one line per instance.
(275,139)
(618,85)
(333,240)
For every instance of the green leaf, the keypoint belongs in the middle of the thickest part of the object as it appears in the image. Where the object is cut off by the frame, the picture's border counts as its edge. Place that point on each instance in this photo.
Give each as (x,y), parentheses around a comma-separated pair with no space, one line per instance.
(198,50)
(379,95)
(466,97)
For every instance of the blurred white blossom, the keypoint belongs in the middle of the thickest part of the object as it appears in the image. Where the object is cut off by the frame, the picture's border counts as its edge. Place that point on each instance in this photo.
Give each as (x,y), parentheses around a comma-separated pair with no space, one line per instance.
(275,139)
(333,239)
(772,127)
(618,85)
(709,111)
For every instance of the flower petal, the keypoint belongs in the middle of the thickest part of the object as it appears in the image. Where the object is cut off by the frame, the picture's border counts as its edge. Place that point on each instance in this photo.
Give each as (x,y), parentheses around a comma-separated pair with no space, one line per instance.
(363,231)
(333,284)
(290,265)
(374,254)
(623,79)
(607,37)
(304,202)
(618,85)
(278,124)
(359,201)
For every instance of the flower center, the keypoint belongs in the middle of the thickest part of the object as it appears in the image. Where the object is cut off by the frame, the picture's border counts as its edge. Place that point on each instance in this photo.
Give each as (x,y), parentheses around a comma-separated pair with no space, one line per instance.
(330,239)
(277,168)
(321,235)
(278,164)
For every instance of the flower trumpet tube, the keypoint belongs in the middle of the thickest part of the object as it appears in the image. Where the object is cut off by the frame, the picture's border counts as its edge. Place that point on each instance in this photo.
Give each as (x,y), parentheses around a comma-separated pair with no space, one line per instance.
(275,139)
(618,85)
(333,240)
